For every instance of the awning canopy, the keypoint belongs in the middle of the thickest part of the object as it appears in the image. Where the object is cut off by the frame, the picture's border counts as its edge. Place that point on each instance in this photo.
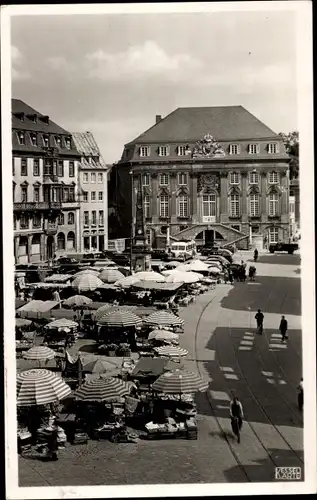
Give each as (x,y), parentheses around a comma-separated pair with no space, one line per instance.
(58,278)
(153,285)
(38,306)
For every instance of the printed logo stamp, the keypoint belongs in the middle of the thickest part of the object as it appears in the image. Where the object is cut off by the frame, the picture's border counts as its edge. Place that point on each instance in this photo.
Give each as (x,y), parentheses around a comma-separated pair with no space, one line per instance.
(288,473)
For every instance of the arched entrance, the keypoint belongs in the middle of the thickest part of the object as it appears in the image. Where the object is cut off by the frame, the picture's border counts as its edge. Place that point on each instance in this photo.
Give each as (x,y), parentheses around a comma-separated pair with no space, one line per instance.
(71,241)
(36,248)
(50,247)
(61,241)
(208,237)
(23,250)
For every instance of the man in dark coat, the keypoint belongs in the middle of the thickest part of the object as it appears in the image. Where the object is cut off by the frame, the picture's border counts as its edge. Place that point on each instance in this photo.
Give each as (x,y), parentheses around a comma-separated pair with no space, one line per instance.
(259,321)
(283,328)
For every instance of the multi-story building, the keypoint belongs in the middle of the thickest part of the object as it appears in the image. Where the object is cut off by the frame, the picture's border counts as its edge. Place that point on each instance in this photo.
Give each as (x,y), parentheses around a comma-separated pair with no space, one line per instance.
(46,208)
(215,173)
(93,187)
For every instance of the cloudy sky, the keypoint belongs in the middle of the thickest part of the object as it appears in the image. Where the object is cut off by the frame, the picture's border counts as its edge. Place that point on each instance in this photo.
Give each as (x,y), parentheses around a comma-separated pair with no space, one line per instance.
(112,73)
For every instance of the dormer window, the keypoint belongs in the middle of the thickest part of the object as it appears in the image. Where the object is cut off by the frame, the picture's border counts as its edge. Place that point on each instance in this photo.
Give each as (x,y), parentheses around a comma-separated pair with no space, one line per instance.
(163,151)
(45,119)
(33,138)
(46,141)
(33,118)
(272,148)
(181,150)
(67,142)
(58,141)
(234,149)
(253,149)
(145,151)
(21,138)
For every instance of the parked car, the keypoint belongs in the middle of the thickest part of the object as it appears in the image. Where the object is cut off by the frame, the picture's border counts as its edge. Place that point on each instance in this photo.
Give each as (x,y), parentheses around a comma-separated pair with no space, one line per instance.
(66,265)
(122,259)
(283,247)
(160,254)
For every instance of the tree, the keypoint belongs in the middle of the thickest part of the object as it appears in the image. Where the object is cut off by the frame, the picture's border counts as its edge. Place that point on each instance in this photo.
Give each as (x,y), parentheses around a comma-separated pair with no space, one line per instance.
(291,143)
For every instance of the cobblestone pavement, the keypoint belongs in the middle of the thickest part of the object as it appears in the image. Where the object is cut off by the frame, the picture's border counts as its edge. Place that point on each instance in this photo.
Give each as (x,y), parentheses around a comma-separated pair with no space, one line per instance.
(224,347)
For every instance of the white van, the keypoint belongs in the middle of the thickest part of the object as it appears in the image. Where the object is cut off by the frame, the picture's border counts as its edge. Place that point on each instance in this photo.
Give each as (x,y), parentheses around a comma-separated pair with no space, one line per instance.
(183,250)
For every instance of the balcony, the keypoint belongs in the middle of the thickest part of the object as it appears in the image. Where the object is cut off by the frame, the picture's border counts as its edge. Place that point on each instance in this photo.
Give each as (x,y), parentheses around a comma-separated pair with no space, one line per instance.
(51,179)
(26,206)
(50,227)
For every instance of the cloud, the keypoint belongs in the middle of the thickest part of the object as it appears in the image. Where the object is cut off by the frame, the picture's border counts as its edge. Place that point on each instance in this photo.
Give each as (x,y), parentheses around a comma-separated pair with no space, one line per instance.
(18,72)
(141,61)
(16,56)
(57,63)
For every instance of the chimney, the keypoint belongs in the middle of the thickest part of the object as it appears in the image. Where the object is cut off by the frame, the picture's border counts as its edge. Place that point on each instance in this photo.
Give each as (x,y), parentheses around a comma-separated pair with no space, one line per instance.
(158,118)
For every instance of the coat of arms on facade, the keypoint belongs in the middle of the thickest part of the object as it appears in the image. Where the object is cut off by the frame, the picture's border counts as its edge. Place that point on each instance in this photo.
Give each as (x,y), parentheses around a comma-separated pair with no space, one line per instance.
(208,183)
(207,147)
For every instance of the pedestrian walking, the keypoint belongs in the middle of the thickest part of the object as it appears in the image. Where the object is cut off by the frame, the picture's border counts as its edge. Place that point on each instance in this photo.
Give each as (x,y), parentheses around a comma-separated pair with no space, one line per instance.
(283,328)
(57,298)
(300,395)
(255,255)
(259,321)
(252,273)
(236,414)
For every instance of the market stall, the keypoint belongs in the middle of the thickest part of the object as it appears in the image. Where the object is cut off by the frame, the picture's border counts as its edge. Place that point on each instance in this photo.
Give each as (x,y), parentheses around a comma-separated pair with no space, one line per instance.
(37,309)
(118,327)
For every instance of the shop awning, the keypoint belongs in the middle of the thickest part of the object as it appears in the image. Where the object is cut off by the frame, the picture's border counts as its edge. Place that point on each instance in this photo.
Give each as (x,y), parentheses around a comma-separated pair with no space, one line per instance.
(58,278)
(153,285)
(151,367)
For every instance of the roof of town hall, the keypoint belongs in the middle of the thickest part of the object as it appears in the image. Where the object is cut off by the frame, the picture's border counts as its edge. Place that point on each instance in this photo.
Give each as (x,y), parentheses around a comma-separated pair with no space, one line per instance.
(88,148)
(224,123)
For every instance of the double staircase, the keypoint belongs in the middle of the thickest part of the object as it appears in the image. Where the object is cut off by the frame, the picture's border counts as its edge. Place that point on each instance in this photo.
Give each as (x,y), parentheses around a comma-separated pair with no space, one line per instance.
(231,236)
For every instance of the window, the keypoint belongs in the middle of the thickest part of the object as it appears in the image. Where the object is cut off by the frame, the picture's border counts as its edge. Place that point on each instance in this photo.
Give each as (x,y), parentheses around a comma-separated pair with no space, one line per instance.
(71,194)
(273,204)
(66,195)
(163,151)
(182,150)
(234,205)
(61,219)
(33,138)
(85,196)
(85,178)
(234,178)
(145,179)
(182,179)
(86,218)
(163,179)
(93,195)
(21,138)
(36,167)
(24,167)
(13,192)
(100,196)
(13,166)
(101,218)
(183,206)
(71,169)
(254,178)
(144,151)
(253,149)
(70,240)
(24,194)
(254,205)
(60,168)
(61,241)
(234,149)
(148,237)
(94,217)
(272,148)
(46,141)
(58,141)
(146,205)
(273,235)
(93,177)
(48,167)
(24,221)
(209,205)
(71,218)
(164,202)
(273,177)
(100,177)
(36,194)
(36,220)
(68,142)
(55,194)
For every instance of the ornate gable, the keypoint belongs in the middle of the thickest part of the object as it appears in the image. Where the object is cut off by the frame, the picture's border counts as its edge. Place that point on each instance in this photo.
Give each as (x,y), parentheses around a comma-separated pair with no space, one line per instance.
(207,147)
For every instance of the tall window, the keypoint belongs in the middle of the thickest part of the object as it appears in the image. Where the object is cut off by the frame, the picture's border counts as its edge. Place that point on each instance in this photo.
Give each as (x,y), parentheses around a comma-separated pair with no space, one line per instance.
(273,235)
(163,151)
(273,177)
(253,149)
(86,218)
(183,206)
(71,194)
(61,241)
(163,179)
(60,168)
(85,177)
(58,141)
(100,177)
(234,178)
(272,148)
(273,204)
(93,195)
(93,177)
(24,167)
(234,149)
(68,142)
(46,141)
(85,196)
(145,151)
(21,138)
(234,205)
(164,202)
(100,196)
(48,167)
(66,195)
(36,194)
(61,219)
(24,221)
(101,218)
(71,218)
(254,205)
(24,194)
(209,205)
(36,220)
(33,137)
(145,179)
(254,178)
(146,205)
(182,179)
(13,192)
(71,169)
(36,167)
(94,217)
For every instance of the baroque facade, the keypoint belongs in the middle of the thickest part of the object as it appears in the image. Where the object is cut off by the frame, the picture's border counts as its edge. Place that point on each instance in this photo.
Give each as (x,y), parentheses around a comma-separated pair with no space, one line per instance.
(45,198)
(212,173)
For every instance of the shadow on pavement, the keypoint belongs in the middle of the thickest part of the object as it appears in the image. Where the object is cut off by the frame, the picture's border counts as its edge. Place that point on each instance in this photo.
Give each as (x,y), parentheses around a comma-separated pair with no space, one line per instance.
(264,469)
(281,259)
(284,296)
(90,348)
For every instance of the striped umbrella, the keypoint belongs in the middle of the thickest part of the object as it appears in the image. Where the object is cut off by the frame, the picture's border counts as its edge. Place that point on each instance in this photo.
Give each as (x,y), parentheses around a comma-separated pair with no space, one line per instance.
(62,323)
(39,353)
(183,277)
(171,351)
(179,382)
(86,282)
(100,366)
(119,318)
(40,387)
(163,318)
(94,272)
(164,335)
(99,313)
(102,389)
(150,276)
(196,266)
(110,275)
(127,281)
(77,301)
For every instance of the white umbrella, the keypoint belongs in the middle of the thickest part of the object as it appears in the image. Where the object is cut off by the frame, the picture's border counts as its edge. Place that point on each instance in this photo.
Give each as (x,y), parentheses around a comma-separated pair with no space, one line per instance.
(86,282)
(183,277)
(150,276)
(127,281)
(171,351)
(40,387)
(214,270)
(87,271)
(196,265)
(62,323)
(164,335)
(110,275)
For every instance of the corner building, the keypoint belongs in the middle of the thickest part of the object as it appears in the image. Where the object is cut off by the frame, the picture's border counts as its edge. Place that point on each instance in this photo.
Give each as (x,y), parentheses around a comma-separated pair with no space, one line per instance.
(45,198)
(210,174)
